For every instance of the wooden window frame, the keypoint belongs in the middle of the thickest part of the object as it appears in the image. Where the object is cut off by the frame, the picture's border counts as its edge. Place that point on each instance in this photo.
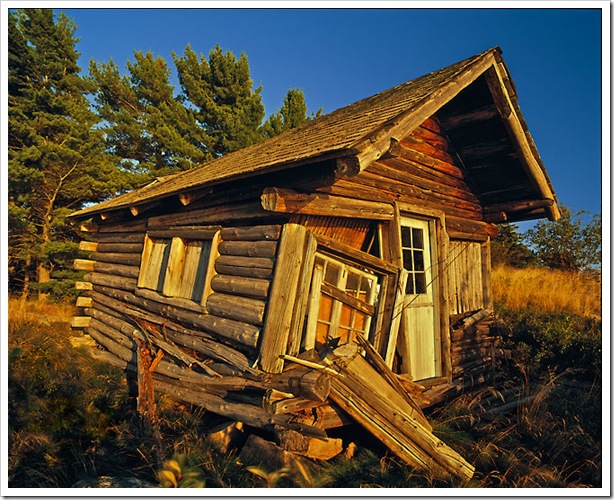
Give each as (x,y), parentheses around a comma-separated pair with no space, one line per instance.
(170,268)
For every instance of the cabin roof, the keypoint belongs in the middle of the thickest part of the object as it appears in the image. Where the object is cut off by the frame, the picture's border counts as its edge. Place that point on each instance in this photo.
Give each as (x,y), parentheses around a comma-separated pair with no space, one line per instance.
(356,135)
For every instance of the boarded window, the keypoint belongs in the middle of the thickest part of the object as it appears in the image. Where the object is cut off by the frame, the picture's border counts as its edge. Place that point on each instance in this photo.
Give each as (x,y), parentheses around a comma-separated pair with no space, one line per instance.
(176,267)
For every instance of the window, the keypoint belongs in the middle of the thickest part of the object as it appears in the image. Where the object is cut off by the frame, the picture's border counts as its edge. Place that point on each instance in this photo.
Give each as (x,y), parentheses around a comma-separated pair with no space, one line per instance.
(177,266)
(342,302)
(412,244)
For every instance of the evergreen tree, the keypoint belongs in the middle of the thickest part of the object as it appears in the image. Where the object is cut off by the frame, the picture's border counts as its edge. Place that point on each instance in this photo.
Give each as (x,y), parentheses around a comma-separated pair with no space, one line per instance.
(292,114)
(569,243)
(148,130)
(220,90)
(56,155)
(507,248)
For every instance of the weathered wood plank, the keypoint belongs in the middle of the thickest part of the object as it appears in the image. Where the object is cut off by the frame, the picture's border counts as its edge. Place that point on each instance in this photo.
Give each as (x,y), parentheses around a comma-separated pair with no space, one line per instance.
(282,296)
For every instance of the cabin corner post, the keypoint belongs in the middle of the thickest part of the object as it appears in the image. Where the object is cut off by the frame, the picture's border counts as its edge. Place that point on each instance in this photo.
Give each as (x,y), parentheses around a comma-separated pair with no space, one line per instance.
(443,248)
(282,297)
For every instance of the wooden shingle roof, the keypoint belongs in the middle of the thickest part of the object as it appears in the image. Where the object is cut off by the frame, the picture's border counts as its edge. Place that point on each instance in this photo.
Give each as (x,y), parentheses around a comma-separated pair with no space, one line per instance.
(354,135)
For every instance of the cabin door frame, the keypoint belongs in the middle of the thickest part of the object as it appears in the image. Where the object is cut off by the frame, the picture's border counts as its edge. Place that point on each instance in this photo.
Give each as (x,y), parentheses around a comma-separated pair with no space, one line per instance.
(419,342)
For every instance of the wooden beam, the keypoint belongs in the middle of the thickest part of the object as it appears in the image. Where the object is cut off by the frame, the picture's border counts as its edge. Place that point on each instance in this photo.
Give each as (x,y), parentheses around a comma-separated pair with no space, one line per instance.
(484,113)
(496,79)
(288,201)
(282,297)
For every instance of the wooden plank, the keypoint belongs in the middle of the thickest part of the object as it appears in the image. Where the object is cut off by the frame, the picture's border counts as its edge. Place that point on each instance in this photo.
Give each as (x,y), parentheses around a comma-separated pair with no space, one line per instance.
(347,299)
(174,268)
(288,201)
(291,254)
(374,404)
(302,296)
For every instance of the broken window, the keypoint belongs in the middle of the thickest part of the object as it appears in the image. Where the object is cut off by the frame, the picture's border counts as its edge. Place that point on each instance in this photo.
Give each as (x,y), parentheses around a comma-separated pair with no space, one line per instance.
(342,302)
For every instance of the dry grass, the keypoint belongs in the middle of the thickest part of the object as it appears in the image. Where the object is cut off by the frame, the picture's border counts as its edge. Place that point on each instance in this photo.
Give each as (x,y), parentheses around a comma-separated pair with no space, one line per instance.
(547,290)
(29,311)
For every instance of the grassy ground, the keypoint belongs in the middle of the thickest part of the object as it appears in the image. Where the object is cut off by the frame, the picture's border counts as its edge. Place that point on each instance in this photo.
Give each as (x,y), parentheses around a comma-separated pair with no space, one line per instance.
(72,418)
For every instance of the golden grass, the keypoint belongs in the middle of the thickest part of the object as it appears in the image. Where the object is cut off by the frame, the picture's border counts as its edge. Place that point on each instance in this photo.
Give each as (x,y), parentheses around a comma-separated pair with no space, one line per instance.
(20,311)
(547,290)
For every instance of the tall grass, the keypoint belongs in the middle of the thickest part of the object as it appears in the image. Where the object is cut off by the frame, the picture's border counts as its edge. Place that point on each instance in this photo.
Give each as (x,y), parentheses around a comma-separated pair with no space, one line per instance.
(547,290)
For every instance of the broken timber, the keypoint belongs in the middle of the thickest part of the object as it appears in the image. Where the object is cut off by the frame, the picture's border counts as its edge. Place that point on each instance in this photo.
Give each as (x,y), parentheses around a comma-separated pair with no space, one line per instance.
(376,405)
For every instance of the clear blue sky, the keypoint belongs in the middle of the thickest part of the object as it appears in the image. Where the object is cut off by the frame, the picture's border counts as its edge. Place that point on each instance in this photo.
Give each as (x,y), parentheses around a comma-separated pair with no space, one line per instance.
(338,56)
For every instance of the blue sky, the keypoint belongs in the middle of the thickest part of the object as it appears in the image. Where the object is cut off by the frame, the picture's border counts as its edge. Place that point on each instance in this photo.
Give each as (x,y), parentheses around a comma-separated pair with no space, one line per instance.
(338,56)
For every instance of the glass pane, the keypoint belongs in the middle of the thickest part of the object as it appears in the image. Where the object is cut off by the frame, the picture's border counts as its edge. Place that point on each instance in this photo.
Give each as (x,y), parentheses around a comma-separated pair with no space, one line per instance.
(353,284)
(332,274)
(418,260)
(326,307)
(409,288)
(418,237)
(407,260)
(420,283)
(406,237)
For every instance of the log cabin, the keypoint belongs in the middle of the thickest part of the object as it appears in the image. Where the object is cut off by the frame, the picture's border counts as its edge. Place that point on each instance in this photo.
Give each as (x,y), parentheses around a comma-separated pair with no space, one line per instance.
(338,272)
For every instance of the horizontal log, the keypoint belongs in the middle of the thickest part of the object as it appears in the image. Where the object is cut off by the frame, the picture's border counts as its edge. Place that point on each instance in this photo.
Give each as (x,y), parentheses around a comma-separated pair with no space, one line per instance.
(216,214)
(179,302)
(483,113)
(120,247)
(288,201)
(128,259)
(121,352)
(192,339)
(471,227)
(237,308)
(434,163)
(266,249)
(123,227)
(187,232)
(106,268)
(110,280)
(237,331)
(424,147)
(249,267)
(83,285)
(238,285)
(119,238)
(97,324)
(500,212)
(255,233)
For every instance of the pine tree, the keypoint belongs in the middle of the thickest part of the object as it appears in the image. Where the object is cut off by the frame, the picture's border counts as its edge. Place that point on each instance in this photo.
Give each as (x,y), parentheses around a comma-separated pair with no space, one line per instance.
(220,90)
(148,130)
(56,157)
(292,114)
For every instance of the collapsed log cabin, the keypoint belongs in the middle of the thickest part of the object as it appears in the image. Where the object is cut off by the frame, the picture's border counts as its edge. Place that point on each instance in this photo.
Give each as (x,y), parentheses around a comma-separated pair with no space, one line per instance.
(338,272)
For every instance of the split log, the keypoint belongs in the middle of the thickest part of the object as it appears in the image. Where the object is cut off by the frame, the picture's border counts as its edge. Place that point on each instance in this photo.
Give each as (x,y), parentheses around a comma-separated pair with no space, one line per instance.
(255,233)
(238,285)
(266,249)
